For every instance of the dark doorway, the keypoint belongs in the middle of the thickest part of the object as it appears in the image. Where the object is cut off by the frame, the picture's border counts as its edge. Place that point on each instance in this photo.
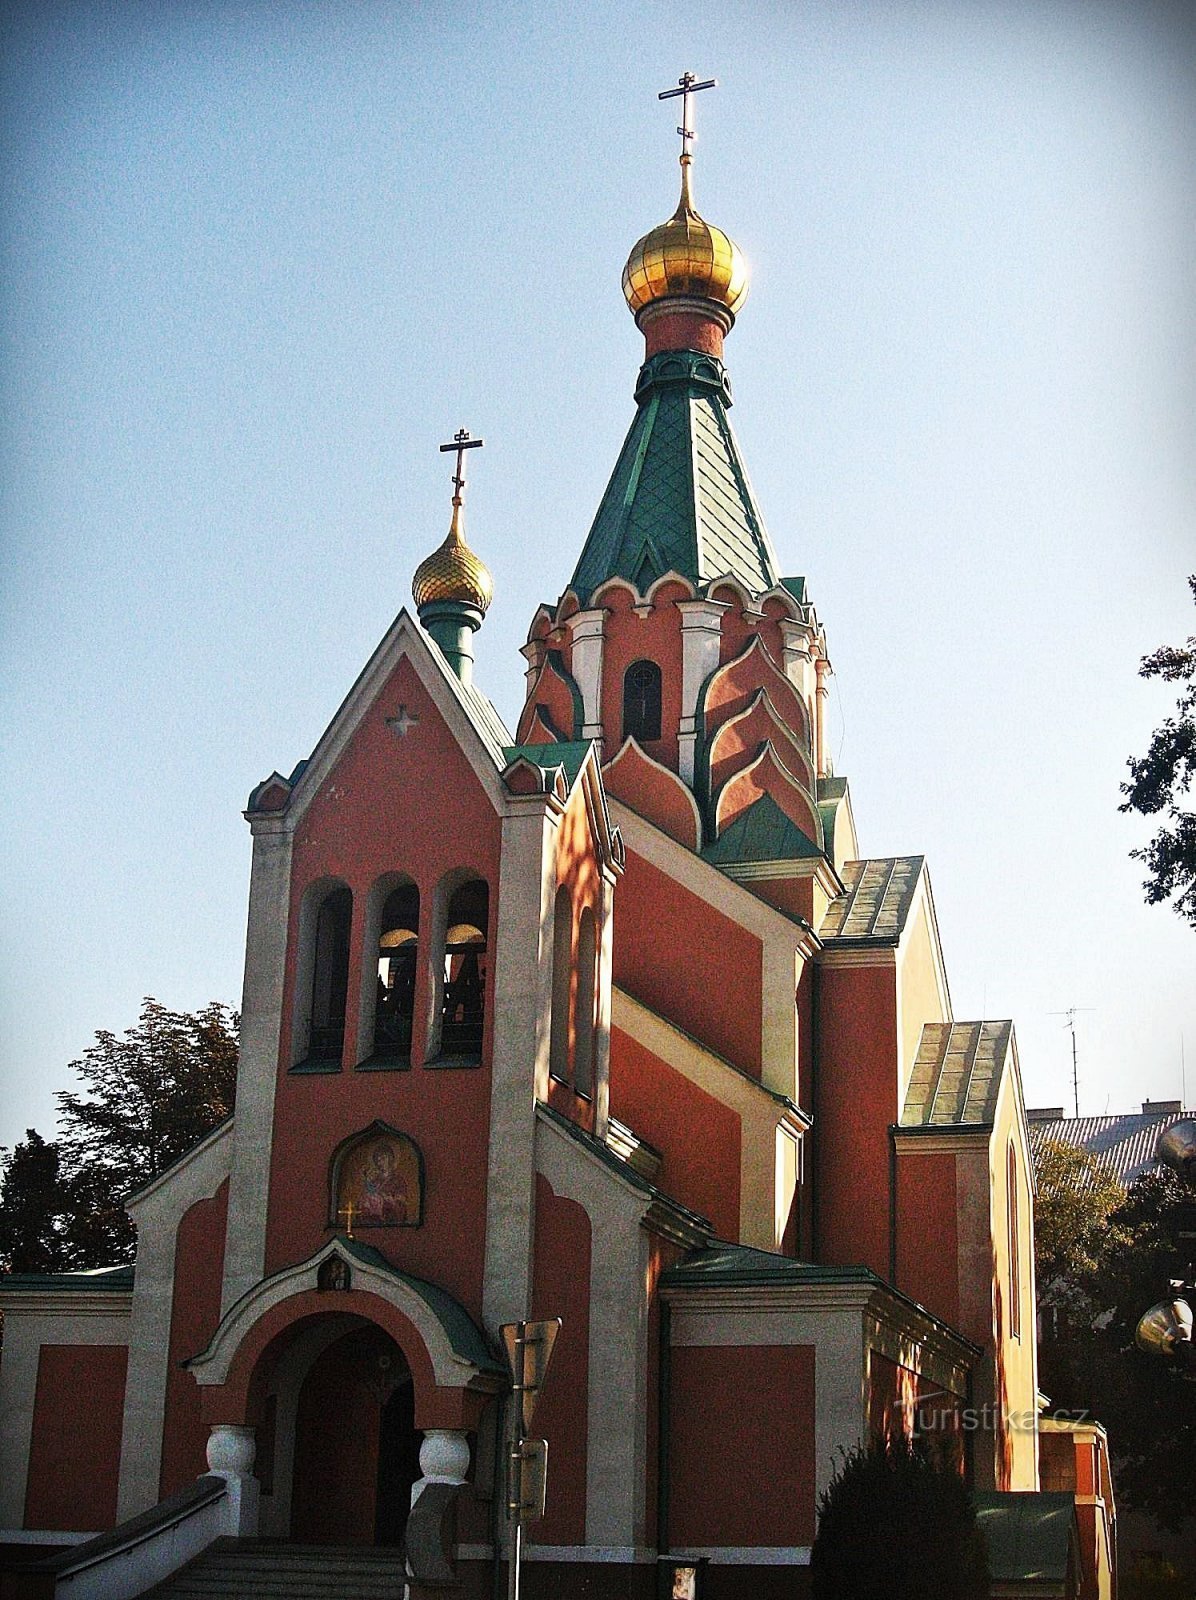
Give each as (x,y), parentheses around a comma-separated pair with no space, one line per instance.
(356,1448)
(398,1465)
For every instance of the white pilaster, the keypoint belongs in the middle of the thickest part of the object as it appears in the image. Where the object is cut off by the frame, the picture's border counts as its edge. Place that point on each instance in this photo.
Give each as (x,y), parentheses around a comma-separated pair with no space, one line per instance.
(701,640)
(585,662)
(261,1024)
(606,946)
(158,1212)
(797,658)
(522,1007)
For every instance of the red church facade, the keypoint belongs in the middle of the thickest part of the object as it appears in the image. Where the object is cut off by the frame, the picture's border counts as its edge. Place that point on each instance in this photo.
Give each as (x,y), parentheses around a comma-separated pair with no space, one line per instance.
(605,1019)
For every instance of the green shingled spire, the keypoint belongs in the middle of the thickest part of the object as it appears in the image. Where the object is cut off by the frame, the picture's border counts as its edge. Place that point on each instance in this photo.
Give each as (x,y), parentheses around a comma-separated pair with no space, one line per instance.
(679,499)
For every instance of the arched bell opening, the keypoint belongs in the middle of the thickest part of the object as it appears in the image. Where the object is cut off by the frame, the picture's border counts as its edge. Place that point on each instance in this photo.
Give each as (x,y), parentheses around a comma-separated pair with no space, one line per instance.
(397,957)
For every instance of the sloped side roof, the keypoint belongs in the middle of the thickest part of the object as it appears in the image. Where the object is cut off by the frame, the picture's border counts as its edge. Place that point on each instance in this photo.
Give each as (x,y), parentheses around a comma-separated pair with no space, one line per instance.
(957,1075)
(1124,1145)
(880,893)
(679,499)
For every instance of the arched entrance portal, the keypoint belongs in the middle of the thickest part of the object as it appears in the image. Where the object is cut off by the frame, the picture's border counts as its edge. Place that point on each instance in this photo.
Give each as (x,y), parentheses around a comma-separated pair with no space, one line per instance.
(356,1447)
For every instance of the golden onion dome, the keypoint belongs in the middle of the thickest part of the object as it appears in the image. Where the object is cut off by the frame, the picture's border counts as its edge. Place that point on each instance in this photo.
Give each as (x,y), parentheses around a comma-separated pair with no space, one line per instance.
(452,573)
(685,256)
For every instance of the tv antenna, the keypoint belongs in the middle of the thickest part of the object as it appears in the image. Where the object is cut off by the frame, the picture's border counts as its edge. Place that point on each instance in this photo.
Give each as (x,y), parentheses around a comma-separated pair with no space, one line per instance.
(1071,1014)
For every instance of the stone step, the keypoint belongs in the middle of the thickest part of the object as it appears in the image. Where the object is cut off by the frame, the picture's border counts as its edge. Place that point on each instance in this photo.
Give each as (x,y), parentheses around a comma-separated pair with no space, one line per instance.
(254,1569)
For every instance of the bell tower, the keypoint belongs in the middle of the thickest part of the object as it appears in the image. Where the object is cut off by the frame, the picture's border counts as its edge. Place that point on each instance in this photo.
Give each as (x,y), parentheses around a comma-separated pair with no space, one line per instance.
(677,643)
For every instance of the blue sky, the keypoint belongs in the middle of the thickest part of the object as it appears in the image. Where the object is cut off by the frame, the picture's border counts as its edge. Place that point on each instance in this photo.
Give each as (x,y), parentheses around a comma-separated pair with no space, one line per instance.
(259,260)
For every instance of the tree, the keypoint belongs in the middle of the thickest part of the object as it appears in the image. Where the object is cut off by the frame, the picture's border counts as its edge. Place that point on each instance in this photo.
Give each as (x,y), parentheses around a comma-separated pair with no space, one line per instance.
(148,1097)
(34,1206)
(1088,1361)
(1163,776)
(895,1525)
(1074,1199)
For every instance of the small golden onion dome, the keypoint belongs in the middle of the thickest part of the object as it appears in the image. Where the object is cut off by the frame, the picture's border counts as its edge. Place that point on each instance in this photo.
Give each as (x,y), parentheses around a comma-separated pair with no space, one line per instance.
(453,573)
(685,256)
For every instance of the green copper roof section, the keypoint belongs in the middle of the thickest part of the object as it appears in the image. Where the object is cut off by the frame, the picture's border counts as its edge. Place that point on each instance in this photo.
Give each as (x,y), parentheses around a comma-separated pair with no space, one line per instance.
(761,833)
(679,499)
(569,754)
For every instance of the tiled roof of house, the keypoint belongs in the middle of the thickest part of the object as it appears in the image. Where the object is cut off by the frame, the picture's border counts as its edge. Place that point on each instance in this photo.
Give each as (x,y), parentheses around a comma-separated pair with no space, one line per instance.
(1123,1144)
(679,499)
(879,896)
(957,1074)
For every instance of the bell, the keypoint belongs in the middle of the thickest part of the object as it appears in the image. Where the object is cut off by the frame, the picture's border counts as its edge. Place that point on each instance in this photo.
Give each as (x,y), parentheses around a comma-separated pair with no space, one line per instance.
(1177,1147)
(1164,1328)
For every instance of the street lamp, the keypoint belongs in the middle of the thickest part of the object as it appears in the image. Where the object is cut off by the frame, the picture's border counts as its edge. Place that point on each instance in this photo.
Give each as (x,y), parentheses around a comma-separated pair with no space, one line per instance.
(1166,1329)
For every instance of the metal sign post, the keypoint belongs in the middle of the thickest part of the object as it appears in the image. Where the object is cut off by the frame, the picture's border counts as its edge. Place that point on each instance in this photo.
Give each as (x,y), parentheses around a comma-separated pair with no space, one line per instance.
(529,1350)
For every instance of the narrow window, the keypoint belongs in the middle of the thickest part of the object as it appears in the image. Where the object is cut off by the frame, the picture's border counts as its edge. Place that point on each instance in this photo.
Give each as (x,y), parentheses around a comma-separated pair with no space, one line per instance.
(587,961)
(465,971)
(562,983)
(398,950)
(641,701)
(1015,1267)
(330,976)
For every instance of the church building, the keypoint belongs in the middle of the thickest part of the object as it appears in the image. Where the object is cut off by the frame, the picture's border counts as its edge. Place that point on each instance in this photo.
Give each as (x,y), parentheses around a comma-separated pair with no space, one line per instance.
(608,1018)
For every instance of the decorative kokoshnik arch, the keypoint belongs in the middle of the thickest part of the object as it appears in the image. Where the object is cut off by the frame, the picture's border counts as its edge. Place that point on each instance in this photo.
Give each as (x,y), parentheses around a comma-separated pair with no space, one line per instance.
(453,1370)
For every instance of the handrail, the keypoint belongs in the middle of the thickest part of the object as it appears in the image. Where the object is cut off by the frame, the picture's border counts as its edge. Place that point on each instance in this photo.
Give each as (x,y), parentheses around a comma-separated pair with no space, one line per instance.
(128,1535)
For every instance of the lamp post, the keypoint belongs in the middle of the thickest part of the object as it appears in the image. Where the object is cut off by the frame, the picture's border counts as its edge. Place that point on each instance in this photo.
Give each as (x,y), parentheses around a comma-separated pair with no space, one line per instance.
(1166,1329)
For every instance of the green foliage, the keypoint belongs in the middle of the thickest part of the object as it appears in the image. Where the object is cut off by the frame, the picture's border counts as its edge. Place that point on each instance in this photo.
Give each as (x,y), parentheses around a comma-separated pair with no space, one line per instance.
(895,1525)
(1163,776)
(1075,1197)
(148,1097)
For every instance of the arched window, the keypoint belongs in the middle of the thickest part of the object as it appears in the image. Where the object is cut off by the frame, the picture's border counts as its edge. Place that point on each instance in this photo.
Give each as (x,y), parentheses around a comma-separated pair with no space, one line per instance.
(1015,1265)
(398,951)
(587,972)
(465,964)
(641,701)
(330,976)
(562,983)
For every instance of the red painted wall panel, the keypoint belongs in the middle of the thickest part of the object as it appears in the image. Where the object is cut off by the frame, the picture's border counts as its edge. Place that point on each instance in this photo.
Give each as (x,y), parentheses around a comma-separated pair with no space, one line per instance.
(697,1135)
(561,1288)
(757,1402)
(74,1455)
(856,1105)
(195,1312)
(927,1234)
(689,962)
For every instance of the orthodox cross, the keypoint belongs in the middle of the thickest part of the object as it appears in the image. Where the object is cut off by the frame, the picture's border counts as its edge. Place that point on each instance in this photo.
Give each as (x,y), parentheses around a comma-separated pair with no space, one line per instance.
(687,86)
(461,442)
(347,1211)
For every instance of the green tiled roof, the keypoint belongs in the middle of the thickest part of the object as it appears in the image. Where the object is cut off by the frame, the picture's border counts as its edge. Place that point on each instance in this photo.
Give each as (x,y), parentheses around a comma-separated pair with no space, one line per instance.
(957,1075)
(94,1278)
(761,833)
(679,499)
(741,1263)
(548,757)
(878,900)
(1028,1535)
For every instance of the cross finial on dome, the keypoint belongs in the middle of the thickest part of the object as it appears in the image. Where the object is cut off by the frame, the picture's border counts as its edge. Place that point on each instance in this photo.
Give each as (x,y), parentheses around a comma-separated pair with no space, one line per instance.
(687,86)
(461,442)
